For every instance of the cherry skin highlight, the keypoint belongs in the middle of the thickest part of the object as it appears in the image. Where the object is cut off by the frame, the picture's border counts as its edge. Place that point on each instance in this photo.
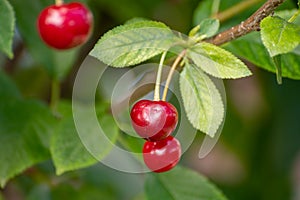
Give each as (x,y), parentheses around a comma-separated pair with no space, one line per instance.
(65,26)
(163,155)
(154,120)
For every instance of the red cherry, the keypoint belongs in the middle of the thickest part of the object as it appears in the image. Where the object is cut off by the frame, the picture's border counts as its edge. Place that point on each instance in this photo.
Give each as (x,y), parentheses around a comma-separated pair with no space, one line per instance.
(162,155)
(154,120)
(65,26)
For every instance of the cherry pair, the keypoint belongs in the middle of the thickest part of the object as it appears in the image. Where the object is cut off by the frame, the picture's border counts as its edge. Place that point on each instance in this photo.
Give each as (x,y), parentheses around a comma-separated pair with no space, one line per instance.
(155,121)
(64,26)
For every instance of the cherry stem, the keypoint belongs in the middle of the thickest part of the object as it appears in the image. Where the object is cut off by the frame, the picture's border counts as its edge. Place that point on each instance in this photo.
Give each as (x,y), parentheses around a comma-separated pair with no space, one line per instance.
(176,62)
(55,95)
(158,76)
(59,2)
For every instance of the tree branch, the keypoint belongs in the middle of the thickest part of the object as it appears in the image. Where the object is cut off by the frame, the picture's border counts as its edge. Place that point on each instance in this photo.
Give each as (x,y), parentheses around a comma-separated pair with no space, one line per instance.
(247,26)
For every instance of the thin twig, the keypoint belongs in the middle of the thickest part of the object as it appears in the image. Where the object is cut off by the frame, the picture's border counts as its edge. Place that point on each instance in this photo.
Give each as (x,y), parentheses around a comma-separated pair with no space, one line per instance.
(247,26)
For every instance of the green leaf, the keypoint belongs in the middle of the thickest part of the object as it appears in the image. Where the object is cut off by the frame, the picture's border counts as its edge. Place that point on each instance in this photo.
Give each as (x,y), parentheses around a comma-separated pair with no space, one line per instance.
(250,47)
(25,130)
(279,36)
(133,43)
(7,27)
(67,149)
(209,27)
(57,63)
(180,184)
(203,11)
(217,61)
(202,100)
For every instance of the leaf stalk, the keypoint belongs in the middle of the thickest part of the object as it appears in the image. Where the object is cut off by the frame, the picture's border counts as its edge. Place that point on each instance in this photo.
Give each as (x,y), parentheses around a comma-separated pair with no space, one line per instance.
(292,19)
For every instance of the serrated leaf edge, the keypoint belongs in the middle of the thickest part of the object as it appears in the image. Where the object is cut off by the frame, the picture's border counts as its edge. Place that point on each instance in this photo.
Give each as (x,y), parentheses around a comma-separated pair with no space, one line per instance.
(188,116)
(272,54)
(9,52)
(249,73)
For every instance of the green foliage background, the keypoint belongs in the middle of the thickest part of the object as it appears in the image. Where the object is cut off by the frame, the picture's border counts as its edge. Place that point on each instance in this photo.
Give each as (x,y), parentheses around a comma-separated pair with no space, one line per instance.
(257,157)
